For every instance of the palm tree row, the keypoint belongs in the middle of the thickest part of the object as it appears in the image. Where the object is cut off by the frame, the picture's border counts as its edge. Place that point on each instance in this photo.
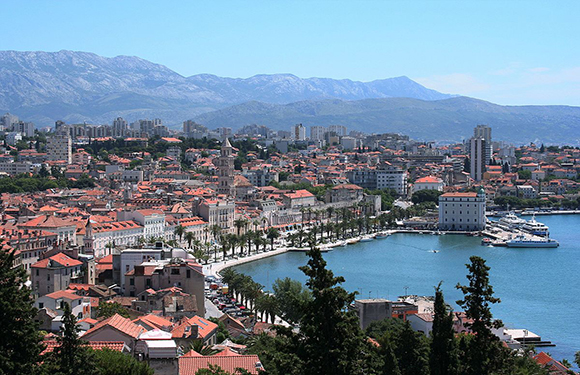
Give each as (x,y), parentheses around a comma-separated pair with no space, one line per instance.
(244,289)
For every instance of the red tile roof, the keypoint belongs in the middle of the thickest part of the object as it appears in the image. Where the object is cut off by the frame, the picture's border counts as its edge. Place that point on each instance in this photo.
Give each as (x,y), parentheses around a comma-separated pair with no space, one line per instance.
(60,259)
(205,327)
(190,365)
(95,345)
(63,294)
(119,323)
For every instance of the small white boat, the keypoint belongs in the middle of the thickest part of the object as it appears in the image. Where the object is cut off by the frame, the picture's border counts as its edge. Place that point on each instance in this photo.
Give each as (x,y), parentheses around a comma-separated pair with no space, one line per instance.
(434,251)
(512,221)
(367,239)
(521,241)
(380,236)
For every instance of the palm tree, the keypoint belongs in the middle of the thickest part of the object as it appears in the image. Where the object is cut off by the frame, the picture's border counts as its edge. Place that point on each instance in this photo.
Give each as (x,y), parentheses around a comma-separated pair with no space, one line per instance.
(215,230)
(232,242)
(179,231)
(301,234)
(329,212)
(249,237)
(110,246)
(189,237)
(272,235)
(199,347)
(240,223)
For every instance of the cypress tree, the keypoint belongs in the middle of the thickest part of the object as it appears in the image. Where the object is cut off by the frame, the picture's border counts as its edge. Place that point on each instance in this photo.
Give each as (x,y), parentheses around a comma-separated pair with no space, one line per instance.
(483,350)
(333,340)
(443,359)
(20,341)
(412,351)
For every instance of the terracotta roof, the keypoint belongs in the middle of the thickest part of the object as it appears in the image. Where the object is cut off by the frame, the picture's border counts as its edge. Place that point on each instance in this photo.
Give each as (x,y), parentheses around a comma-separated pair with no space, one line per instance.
(190,365)
(205,327)
(153,320)
(119,323)
(95,345)
(459,195)
(60,259)
(63,294)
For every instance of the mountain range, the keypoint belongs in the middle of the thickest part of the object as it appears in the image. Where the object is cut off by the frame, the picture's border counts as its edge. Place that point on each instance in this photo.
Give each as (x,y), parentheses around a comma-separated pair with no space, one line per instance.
(79,86)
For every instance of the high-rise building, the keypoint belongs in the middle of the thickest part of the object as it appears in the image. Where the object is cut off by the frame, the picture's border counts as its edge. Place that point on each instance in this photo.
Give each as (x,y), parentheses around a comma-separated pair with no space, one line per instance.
(484,131)
(120,127)
(317,133)
(340,130)
(225,164)
(299,132)
(477,157)
(59,147)
(7,121)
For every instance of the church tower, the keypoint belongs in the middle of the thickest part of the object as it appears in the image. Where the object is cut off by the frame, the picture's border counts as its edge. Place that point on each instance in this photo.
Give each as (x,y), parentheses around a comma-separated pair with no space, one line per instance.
(226,170)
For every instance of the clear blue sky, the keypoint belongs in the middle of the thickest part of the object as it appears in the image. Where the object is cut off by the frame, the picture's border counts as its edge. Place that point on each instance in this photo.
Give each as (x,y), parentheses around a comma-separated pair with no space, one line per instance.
(519,52)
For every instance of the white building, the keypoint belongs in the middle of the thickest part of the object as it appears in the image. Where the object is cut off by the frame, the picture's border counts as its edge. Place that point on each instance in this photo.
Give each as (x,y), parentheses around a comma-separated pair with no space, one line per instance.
(13,168)
(317,133)
(133,257)
(102,238)
(299,132)
(462,211)
(59,147)
(428,183)
(348,143)
(120,127)
(340,130)
(152,221)
(13,137)
(391,177)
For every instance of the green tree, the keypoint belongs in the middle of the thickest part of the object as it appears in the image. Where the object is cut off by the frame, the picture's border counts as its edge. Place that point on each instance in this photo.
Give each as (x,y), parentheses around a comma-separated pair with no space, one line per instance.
(179,231)
(524,174)
(291,298)
(20,341)
(112,362)
(272,235)
(426,195)
(412,351)
(483,354)
(333,340)
(444,358)
(72,355)
(107,309)
(189,237)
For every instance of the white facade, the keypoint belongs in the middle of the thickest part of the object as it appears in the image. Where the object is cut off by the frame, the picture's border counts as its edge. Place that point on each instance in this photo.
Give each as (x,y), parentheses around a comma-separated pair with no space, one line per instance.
(428,183)
(348,143)
(462,211)
(299,132)
(340,130)
(152,221)
(392,178)
(317,133)
(13,137)
(14,168)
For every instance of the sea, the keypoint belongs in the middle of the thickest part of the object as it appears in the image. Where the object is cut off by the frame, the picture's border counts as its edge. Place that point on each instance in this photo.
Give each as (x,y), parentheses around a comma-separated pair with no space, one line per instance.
(537,287)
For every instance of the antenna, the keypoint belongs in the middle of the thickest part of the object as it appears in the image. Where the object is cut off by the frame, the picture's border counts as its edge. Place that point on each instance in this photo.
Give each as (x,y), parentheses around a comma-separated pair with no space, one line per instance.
(406,289)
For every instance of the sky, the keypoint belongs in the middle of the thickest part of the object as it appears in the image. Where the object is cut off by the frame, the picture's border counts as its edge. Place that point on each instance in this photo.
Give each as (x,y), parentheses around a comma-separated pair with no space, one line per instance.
(516,52)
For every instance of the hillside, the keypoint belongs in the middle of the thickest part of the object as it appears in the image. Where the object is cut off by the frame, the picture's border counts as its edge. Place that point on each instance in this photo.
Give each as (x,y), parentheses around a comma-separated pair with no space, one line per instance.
(443,120)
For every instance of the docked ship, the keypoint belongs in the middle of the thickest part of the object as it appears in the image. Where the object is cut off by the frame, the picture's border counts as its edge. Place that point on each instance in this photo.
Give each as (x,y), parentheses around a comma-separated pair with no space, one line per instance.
(536,228)
(511,221)
(521,241)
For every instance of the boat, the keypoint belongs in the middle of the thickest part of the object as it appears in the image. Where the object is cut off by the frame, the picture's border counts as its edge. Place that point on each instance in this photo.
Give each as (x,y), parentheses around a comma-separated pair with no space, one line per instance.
(380,236)
(434,251)
(521,241)
(536,228)
(367,239)
(512,221)
(486,241)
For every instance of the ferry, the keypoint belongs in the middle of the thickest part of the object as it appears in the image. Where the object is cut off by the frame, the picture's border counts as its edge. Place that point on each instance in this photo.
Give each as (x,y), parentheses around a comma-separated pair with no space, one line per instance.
(521,241)
(511,221)
(536,228)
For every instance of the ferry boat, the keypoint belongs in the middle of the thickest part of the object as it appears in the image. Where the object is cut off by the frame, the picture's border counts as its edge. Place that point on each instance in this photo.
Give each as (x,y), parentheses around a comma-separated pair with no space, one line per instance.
(521,241)
(536,228)
(511,221)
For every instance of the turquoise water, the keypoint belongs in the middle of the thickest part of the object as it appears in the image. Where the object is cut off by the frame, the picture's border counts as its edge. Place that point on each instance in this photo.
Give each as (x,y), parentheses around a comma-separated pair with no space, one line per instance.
(537,286)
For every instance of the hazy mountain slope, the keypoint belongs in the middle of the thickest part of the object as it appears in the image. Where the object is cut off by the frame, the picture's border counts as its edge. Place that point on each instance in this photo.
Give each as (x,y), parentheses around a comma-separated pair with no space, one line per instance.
(450,119)
(81,86)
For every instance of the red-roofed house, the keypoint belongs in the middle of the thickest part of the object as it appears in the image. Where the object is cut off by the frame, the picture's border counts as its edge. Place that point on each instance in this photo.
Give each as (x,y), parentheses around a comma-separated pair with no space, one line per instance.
(428,183)
(298,198)
(115,328)
(195,328)
(55,273)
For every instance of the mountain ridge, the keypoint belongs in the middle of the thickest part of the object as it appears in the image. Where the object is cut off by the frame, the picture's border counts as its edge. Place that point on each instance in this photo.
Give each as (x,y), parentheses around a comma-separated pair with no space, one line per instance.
(34,82)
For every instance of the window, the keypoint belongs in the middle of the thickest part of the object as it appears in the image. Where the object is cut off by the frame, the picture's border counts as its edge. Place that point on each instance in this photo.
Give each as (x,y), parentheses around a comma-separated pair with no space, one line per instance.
(188,274)
(127,268)
(148,282)
(175,271)
(40,305)
(131,281)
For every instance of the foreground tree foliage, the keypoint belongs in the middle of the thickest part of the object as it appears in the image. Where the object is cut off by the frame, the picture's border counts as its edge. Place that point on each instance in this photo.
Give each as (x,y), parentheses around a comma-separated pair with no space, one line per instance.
(20,341)
(108,309)
(443,359)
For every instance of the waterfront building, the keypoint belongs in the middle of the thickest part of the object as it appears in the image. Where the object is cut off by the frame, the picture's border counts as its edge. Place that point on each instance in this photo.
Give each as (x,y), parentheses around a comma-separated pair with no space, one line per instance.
(216,212)
(462,211)
(384,177)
